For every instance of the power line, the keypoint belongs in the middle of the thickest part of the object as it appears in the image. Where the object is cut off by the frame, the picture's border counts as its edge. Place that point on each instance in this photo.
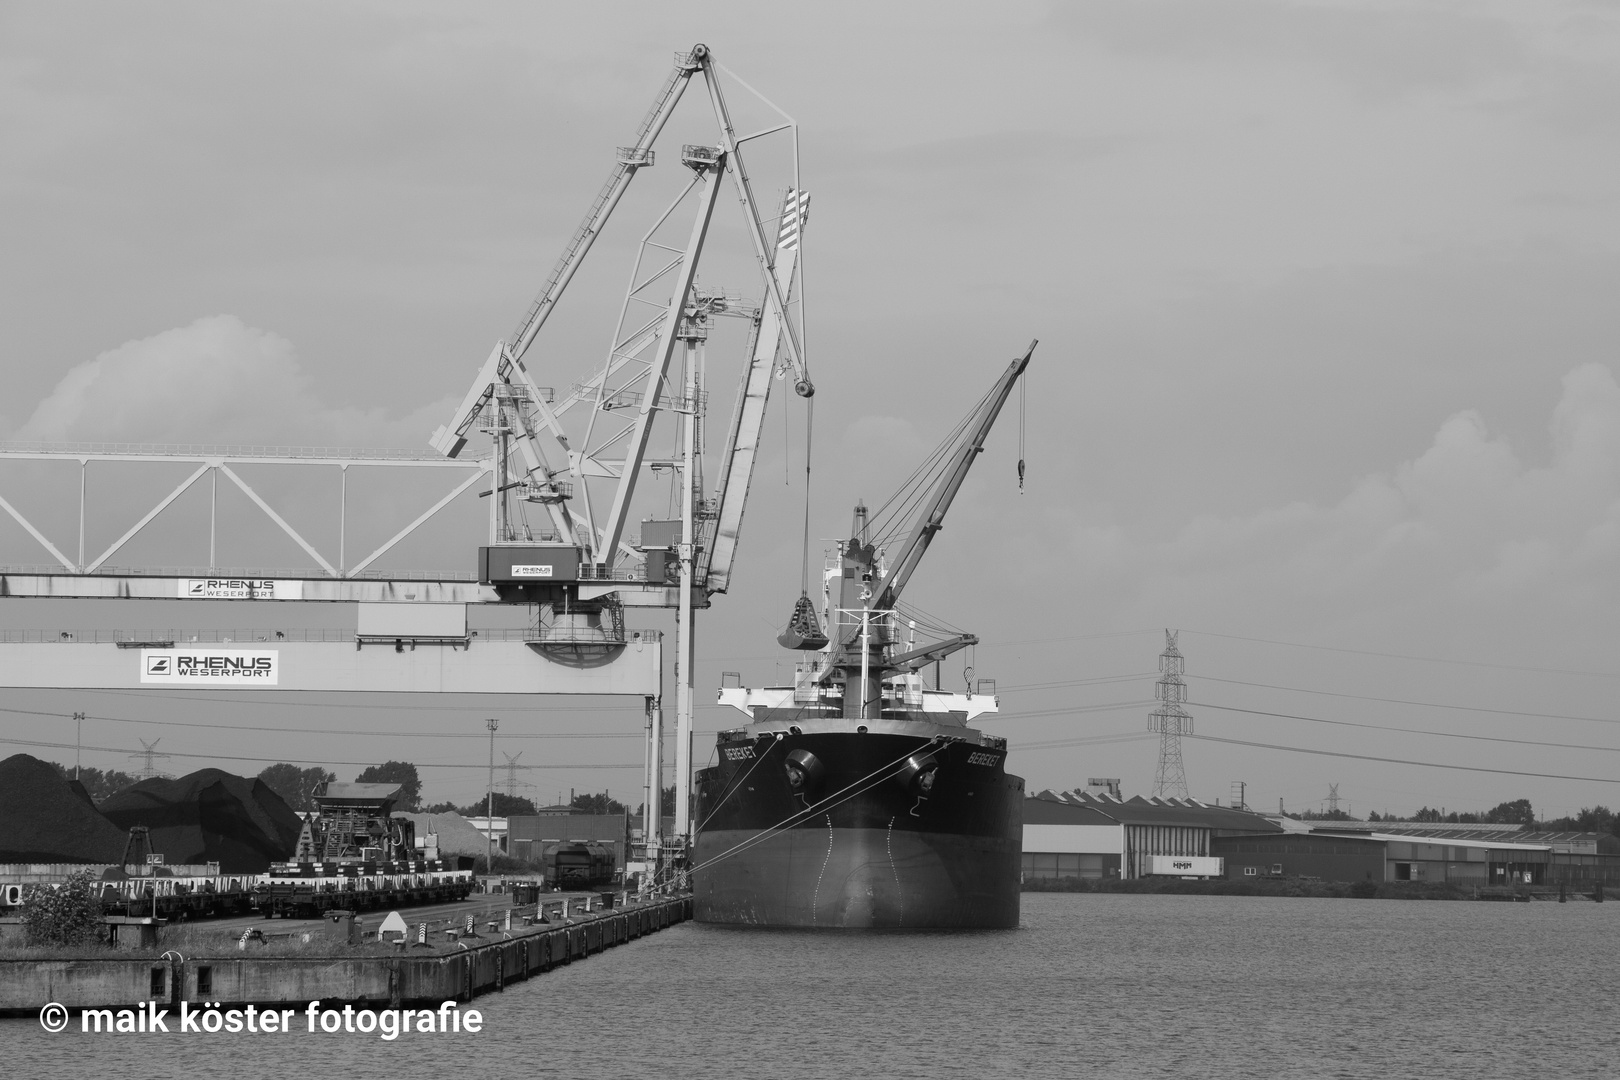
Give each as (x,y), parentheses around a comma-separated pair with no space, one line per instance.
(1405,761)
(328,731)
(1069,710)
(1404,656)
(1093,740)
(296,761)
(1413,731)
(1422,704)
(1096,680)
(241,699)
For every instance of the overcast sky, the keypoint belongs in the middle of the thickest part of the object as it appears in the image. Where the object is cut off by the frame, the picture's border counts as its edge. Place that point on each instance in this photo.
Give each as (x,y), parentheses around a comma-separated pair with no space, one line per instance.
(1325,295)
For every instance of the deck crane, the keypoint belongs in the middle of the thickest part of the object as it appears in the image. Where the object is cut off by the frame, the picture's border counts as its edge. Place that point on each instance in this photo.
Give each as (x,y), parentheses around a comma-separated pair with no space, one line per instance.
(580,567)
(861,624)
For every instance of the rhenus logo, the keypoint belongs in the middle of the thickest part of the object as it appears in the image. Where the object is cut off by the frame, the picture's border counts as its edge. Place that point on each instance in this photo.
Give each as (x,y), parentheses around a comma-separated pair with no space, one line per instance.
(214,667)
(240,589)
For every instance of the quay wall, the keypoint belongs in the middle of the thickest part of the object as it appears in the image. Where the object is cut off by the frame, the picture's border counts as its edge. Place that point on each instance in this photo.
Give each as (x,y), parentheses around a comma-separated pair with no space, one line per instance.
(380,981)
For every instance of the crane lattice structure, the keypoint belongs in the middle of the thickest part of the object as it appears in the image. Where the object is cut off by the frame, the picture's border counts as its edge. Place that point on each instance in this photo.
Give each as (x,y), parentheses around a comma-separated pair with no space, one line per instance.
(1170,720)
(565,467)
(148,755)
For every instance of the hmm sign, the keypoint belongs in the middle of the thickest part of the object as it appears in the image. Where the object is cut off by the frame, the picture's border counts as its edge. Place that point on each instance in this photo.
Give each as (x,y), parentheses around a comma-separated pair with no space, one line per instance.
(1187,866)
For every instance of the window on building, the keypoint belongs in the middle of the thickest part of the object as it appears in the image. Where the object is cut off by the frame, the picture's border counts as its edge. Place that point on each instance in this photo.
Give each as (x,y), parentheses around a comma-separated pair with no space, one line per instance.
(1251,871)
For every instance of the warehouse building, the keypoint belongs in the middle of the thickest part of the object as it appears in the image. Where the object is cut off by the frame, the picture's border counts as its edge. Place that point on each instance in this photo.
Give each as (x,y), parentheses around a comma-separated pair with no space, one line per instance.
(528,835)
(1413,851)
(1302,854)
(1098,833)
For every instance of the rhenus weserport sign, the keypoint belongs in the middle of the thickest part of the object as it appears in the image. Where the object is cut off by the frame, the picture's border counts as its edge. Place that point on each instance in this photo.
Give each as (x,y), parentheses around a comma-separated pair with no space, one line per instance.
(240,589)
(213,667)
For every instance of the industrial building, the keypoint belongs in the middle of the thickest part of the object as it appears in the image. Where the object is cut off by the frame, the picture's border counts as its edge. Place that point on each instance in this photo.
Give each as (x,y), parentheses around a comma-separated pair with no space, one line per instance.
(1100,834)
(1415,851)
(527,835)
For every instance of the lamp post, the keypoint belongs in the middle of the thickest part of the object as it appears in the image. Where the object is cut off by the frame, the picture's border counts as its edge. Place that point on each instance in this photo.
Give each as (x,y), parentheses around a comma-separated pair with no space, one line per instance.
(489,803)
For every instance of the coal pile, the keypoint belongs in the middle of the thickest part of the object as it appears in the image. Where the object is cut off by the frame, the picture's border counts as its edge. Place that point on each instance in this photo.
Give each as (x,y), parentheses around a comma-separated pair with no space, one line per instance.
(210,816)
(46,819)
(457,835)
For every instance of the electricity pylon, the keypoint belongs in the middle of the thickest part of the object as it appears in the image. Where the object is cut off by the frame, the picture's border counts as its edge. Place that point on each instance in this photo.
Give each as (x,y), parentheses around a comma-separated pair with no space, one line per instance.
(1171,721)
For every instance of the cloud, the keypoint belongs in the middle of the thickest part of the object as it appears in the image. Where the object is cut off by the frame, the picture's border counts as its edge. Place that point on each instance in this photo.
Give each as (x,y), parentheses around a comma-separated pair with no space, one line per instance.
(1467,528)
(214,381)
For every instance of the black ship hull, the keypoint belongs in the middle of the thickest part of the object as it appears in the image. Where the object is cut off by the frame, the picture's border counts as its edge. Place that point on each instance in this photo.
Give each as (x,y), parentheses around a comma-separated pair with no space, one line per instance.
(859,844)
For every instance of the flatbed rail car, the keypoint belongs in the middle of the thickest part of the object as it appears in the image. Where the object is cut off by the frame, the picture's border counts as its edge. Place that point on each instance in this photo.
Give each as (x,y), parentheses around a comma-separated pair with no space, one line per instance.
(289,890)
(308,890)
(179,898)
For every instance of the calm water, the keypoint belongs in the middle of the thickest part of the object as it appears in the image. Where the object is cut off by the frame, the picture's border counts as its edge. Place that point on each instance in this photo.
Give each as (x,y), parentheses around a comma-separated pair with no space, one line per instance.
(1106,986)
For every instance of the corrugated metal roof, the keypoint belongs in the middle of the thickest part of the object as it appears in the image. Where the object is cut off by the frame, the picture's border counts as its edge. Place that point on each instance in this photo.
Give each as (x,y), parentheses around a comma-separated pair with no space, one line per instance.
(1139,811)
(1444,841)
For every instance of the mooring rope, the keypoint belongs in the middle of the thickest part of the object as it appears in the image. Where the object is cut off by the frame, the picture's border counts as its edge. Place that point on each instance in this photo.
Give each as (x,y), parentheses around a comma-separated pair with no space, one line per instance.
(826,804)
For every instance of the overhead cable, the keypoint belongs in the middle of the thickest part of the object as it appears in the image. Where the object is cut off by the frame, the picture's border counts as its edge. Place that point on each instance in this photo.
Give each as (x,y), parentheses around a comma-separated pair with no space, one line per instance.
(1405,761)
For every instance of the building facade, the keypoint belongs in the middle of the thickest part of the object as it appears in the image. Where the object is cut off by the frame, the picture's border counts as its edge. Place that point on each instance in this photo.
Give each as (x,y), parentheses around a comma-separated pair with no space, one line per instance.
(1087,834)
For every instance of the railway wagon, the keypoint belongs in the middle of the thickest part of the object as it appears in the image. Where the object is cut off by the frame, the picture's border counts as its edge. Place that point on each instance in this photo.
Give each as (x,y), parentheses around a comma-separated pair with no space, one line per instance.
(307,890)
(578,865)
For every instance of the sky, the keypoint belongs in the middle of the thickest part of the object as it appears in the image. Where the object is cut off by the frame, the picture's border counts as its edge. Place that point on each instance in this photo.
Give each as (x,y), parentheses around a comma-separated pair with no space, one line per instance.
(1326,376)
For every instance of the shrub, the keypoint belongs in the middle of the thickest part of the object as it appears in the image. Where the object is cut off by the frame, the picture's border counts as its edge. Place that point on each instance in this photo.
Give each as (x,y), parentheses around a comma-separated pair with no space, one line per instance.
(1364,890)
(69,914)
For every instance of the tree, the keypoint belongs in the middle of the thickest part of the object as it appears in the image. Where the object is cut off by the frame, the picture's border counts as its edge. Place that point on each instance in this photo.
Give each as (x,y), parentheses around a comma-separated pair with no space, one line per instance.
(100,785)
(599,803)
(69,914)
(666,804)
(402,773)
(1591,819)
(1598,819)
(296,786)
(1517,812)
(505,806)
(445,807)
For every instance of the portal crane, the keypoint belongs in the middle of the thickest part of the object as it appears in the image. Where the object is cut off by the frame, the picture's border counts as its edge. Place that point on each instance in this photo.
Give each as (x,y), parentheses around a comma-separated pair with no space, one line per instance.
(583,567)
(555,468)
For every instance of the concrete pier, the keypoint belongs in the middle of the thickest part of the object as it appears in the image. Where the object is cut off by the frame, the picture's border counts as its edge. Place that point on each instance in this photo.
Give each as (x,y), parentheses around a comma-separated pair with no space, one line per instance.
(488,965)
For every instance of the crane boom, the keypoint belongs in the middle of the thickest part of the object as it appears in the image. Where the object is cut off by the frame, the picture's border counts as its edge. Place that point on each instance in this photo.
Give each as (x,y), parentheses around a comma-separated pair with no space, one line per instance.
(449,440)
(932,519)
(742,444)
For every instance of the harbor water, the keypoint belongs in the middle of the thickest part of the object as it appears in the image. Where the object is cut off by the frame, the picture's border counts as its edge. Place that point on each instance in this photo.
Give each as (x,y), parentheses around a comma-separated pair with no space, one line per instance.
(1088,985)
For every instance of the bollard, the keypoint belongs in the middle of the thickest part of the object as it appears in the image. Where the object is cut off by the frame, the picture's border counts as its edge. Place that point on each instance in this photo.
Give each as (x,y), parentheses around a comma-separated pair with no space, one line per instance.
(587,902)
(508,919)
